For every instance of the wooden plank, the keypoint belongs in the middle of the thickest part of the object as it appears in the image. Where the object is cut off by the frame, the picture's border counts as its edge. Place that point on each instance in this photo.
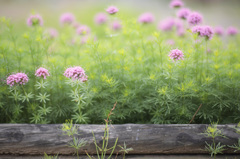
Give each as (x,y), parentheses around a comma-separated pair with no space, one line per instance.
(34,139)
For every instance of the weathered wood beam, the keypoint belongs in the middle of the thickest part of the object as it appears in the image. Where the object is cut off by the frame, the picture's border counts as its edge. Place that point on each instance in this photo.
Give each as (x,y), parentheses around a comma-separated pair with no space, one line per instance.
(31,139)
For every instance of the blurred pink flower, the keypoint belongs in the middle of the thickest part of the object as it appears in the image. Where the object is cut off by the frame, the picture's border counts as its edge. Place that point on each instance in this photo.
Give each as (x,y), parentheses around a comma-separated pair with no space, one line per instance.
(146,18)
(170,42)
(67,18)
(83,30)
(183,13)
(42,72)
(35,20)
(53,33)
(232,31)
(112,10)
(18,78)
(203,31)
(195,18)
(219,30)
(176,4)
(176,55)
(116,25)
(166,24)
(101,18)
(76,73)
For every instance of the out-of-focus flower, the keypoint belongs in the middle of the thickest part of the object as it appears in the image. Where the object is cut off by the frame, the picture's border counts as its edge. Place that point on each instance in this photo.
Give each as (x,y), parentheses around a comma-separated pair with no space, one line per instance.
(203,31)
(219,30)
(112,10)
(35,20)
(183,13)
(101,18)
(18,78)
(176,55)
(146,18)
(67,18)
(170,42)
(116,25)
(42,72)
(176,4)
(232,31)
(76,73)
(52,33)
(195,18)
(83,30)
(167,24)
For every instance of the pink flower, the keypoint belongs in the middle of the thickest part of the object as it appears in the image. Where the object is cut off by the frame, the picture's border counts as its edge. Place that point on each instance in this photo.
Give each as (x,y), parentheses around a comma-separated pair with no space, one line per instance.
(35,20)
(42,72)
(219,31)
(53,33)
(167,24)
(76,73)
(67,18)
(112,10)
(183,13)
(18,78)
(195,18)
(232,31)
(170,42)
(76,24)
(83,30)
(203,31)
(101,18)
(116,25)
(176,4)
(146,18)
(176,55)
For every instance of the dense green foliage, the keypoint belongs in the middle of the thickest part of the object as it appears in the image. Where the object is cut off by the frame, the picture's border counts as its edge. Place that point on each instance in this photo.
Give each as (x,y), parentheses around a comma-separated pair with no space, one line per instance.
(130,66)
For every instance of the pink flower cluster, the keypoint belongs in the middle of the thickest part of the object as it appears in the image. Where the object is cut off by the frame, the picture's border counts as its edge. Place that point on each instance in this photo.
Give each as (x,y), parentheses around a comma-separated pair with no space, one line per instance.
(76,73)
(83,30)
(18,78)
(35,20)
(67,18)
(42,72)
(176,55)
(232,31)
(52,33)
(195,18)
(176,4)
(116,25)
(146,18)
(183,13)
(101,18)
(219,31)
(169,23)
(112,10)
(203,31)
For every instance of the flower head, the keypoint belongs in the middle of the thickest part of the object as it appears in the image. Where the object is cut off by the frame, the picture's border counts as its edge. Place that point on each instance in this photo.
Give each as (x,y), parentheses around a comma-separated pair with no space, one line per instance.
(183,13)
(112,10)
(219,30)
(42,72)
(232,31)
(18,78)
(203,31)
(76,73)
(195,18)
(116,25)
(83,30)
(35,20)
(176,4)
(176,55)
(53,33)
(101,18)
(170,42)
(146,18)
(167,24)
(67,18)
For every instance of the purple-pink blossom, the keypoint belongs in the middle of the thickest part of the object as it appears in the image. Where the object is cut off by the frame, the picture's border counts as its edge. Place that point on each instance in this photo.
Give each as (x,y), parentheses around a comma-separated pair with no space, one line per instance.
(83,30)
(203,31)
(35,20)
(53,33)
(176,55)
(166,24)
(183,13)
(42,72)
(219,30)
(176,4)
(18,78)
(76,73)
(116,25)
(170,42)
(112,10)
(146,18)
(195,18)
(67,18)
(232,31)
(101,18)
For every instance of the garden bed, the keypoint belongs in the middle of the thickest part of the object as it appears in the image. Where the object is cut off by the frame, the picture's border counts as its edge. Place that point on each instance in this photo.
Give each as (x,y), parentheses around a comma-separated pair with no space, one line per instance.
(145,139)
